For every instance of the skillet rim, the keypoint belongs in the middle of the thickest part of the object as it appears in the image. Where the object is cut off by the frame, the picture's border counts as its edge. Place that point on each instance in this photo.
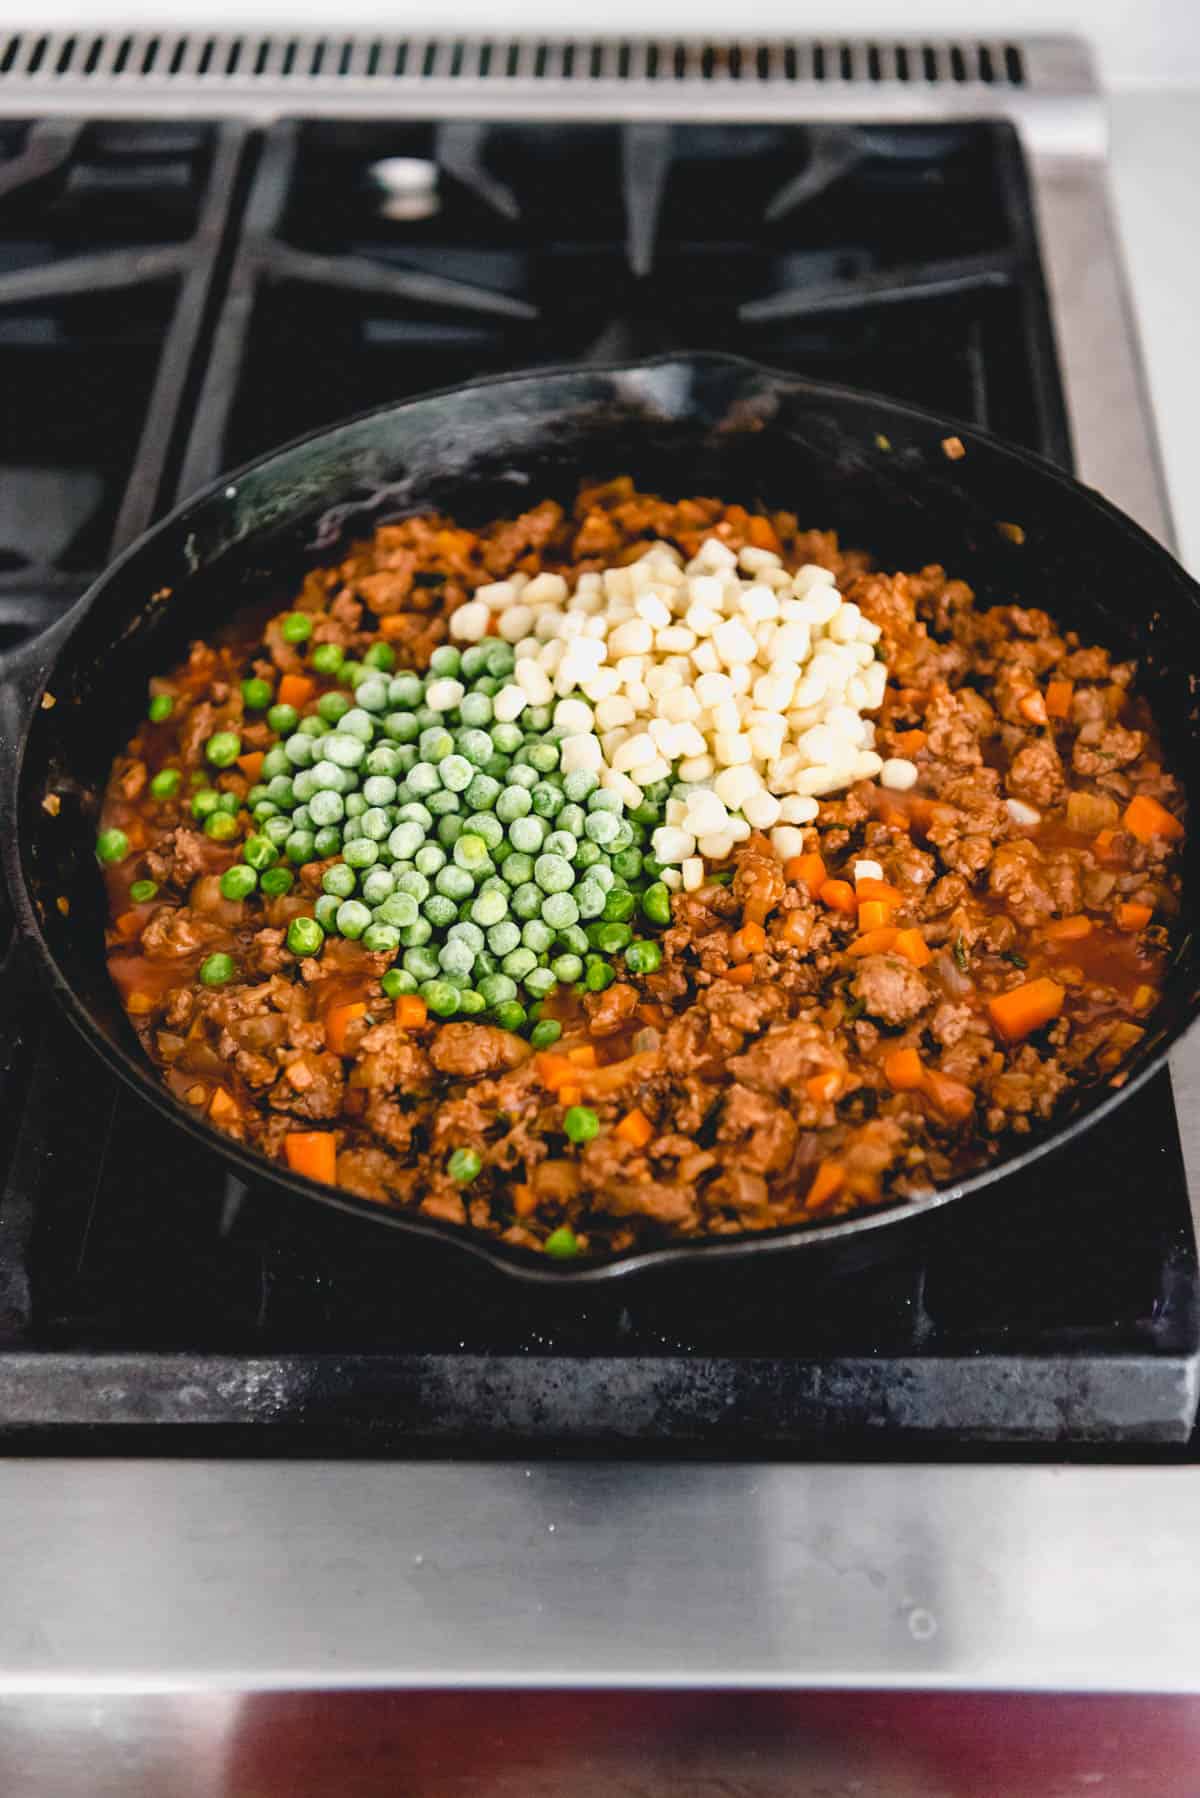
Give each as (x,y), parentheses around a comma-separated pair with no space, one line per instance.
(45,651)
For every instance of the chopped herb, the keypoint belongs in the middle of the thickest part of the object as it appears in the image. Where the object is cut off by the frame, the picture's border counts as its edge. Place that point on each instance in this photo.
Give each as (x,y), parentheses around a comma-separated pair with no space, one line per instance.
(1018,961)
(854,1008)
(721,878)
(962,958)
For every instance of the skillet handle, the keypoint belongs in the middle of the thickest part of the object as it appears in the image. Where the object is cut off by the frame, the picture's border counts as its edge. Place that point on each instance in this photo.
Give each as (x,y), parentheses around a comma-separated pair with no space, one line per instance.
(23,678)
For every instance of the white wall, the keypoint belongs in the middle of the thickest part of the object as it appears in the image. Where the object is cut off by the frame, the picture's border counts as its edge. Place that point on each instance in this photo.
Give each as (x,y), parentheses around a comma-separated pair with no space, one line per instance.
(1137,41)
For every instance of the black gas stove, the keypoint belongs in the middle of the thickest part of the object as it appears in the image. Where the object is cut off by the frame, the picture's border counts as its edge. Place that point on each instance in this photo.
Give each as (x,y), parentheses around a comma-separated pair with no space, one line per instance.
(177,297)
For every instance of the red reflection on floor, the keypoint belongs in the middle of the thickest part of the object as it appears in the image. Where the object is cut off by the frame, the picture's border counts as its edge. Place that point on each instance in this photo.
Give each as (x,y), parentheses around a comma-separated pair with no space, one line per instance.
(714,1745)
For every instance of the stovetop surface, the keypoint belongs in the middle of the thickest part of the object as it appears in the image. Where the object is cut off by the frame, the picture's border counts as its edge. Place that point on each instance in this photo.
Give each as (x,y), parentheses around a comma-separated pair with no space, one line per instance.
(175,298)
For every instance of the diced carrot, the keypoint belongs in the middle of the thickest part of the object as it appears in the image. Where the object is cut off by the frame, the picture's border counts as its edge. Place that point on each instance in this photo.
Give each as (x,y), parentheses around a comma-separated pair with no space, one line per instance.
(808,870)
(838,895)
(394,624)
(584,1056)
(874,914)
(1143,998)
(742,975)
(1068,930)
(1026,1008)
(553,1070)
(875,942)
(251,764)
(869,888)
(1133,917)
(569,1095)
(829,1181)
(338,1020)
(750,940)
(524,1200)
(903,1070)
(1032,707)
(140,1004)
(954,1100)
(635,1127)
(761,533)
(312,1153)
(1103,844)
(908,742)
(1058,698)
(895,818)
(824,1088)
(1146,819)
(128,925)
(296,689)
(411,1011)
(913,947)
(223,1107)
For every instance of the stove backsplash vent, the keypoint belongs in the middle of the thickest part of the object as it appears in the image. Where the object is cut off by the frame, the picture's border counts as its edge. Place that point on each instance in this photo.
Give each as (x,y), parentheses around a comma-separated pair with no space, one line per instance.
(260,72)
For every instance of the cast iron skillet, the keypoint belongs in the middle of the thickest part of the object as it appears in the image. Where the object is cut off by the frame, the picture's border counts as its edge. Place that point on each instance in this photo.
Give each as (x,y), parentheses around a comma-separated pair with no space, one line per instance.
(685,424)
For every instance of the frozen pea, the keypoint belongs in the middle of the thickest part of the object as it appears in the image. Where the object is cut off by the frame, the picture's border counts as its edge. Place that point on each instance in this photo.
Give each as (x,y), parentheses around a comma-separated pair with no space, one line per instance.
(560,911)
(449,829)
(572,818)
(482,793)
(526,900)
(303,785)
(589,897)
(356,723)
(446,660)
(343,749)
(547,800)
(543,757)
(489,908)
(503,936)
(378,885)
(299,751)
(416,933)
(332,707)
(375,824)
(470,1001)
(587,855)
(561,842)
(554,874)
(352,918)
(277,830)
(421,963)
(361,853)
(603,876)
(537,718)
(453,881)
(406,689)
(568,968)
(497,989)
(383,761)
(500,660)
(327,841)
(281,790)
(408,757)
(578,785)
(381,938)
(312,727)
(411,881)
(520,774)
(574,940)
(624,836)
(379,789)
(487,826)
(405,840)
(424,778)
(426,717)
(300,847)
(456,957)
(457,773)
(604,801)
(326,807)
(328,777)
(508,738)
(497,766)
(527,834)
(413,812)
(401,727)
(470,851)
(601,827)
(518,868)
(440,910)
(518,962)
(540,982)
(537,935)
(475,709)
(356,805)
(429,858)
(325,911)
(443,802)
(467,932)
(476,745)
(372,694)
(627,863)
(397,981)
(398,909)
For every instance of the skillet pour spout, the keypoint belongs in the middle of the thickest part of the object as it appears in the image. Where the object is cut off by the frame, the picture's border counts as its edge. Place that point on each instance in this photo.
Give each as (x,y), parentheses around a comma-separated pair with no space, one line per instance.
(866,466)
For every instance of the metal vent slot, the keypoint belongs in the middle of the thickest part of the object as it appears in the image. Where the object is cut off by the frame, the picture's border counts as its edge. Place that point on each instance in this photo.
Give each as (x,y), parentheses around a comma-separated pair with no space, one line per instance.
(242,61)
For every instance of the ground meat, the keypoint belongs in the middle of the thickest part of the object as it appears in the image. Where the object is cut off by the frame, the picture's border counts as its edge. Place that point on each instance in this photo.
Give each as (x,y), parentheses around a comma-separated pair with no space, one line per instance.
(892,990)
(465,1051)
(720,1088)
